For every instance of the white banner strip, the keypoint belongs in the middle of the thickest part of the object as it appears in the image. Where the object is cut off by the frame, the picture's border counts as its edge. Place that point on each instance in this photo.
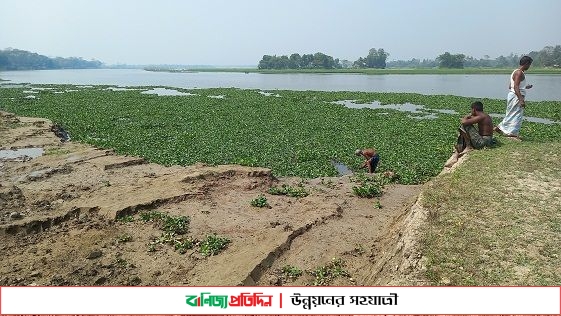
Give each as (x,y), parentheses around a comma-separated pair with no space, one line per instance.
(280,300)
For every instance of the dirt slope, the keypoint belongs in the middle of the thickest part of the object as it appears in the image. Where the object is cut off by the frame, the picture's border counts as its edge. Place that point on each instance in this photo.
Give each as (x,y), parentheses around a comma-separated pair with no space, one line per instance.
(71,217)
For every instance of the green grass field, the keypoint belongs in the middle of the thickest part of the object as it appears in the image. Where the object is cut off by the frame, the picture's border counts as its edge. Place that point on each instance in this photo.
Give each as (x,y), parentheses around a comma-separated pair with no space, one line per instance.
(496,220)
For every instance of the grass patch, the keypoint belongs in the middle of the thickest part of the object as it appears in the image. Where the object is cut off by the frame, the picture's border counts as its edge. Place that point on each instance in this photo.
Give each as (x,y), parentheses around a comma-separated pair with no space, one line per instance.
(57,151)
(324,275)
(125,219)
(289,190)
(173,227)
(494,220)
(213,245)
(291,272)
(177,225)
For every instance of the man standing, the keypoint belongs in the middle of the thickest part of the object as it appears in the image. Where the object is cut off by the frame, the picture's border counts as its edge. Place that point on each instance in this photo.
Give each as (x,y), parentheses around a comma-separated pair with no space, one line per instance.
(372,158)
(510,126)
(470,137)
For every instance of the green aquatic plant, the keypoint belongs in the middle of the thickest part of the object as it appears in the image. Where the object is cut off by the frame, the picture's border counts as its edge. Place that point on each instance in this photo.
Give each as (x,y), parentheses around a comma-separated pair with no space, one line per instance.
(298,133)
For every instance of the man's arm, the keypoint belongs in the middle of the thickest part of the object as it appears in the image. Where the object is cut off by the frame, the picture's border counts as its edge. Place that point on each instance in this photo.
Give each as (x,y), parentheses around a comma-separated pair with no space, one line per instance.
(470,120)
(364,164)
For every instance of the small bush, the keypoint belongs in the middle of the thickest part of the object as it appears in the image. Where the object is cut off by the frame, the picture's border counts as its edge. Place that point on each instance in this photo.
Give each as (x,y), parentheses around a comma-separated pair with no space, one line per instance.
(291,272)
(213,245)
(324,275)
(260,201)
(178,225)
(126,219)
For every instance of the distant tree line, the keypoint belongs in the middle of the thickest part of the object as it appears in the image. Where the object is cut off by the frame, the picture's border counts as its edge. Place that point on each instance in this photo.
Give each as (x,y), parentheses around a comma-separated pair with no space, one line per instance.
(374,59)
(297,61)
(15,59)
(549,56)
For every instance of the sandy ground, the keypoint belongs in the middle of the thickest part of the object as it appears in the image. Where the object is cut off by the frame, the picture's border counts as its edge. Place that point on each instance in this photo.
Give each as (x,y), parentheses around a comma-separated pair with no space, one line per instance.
(61,221)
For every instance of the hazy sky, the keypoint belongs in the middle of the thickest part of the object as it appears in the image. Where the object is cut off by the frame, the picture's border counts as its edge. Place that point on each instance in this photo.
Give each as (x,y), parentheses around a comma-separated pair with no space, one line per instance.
(240,32)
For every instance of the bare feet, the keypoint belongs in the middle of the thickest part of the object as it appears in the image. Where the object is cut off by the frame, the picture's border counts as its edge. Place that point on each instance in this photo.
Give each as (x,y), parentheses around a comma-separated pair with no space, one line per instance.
(465,151)
(452,160)
(514,137)
(498,130)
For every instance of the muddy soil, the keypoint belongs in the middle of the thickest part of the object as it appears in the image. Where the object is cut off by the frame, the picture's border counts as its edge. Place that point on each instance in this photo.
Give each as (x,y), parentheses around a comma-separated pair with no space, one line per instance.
(72,216)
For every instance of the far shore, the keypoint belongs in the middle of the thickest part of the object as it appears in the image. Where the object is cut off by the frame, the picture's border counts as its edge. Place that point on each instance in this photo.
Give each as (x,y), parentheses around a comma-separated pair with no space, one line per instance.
(370,71)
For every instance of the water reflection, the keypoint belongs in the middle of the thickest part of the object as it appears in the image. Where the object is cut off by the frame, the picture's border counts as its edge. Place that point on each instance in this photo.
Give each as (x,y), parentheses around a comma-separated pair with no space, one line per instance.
(425,117)
(428,113)
(546,87)
(406,107)
(164,91)
(120,89)
(268,94)
(342,170)
(445,111)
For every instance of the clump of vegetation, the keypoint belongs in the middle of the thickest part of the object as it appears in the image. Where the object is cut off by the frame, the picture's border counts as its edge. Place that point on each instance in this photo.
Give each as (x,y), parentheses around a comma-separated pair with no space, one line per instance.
(124,238)
(173,228)
(213,245)
(120,262)
(170,224)
(368,187)
(288,190)
(177,225)
(260,201)
(151,216)
(324,275)
(183,245)
(291,272)
(125,219)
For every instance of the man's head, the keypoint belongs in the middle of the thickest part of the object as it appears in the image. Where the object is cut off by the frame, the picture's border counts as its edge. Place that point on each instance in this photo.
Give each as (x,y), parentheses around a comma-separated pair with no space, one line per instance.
(477,106)
(525,62)
(358,152)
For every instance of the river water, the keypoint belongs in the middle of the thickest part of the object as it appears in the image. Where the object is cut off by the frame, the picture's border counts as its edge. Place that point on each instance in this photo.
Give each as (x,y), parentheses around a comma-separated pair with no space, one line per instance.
(546,87)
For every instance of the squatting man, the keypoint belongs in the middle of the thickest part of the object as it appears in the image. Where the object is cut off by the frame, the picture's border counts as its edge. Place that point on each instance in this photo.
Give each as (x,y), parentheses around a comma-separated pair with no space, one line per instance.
(470,137)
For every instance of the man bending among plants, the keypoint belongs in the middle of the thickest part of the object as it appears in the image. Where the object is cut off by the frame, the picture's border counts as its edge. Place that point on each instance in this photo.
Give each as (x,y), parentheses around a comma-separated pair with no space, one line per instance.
(469,137)
(371,156)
